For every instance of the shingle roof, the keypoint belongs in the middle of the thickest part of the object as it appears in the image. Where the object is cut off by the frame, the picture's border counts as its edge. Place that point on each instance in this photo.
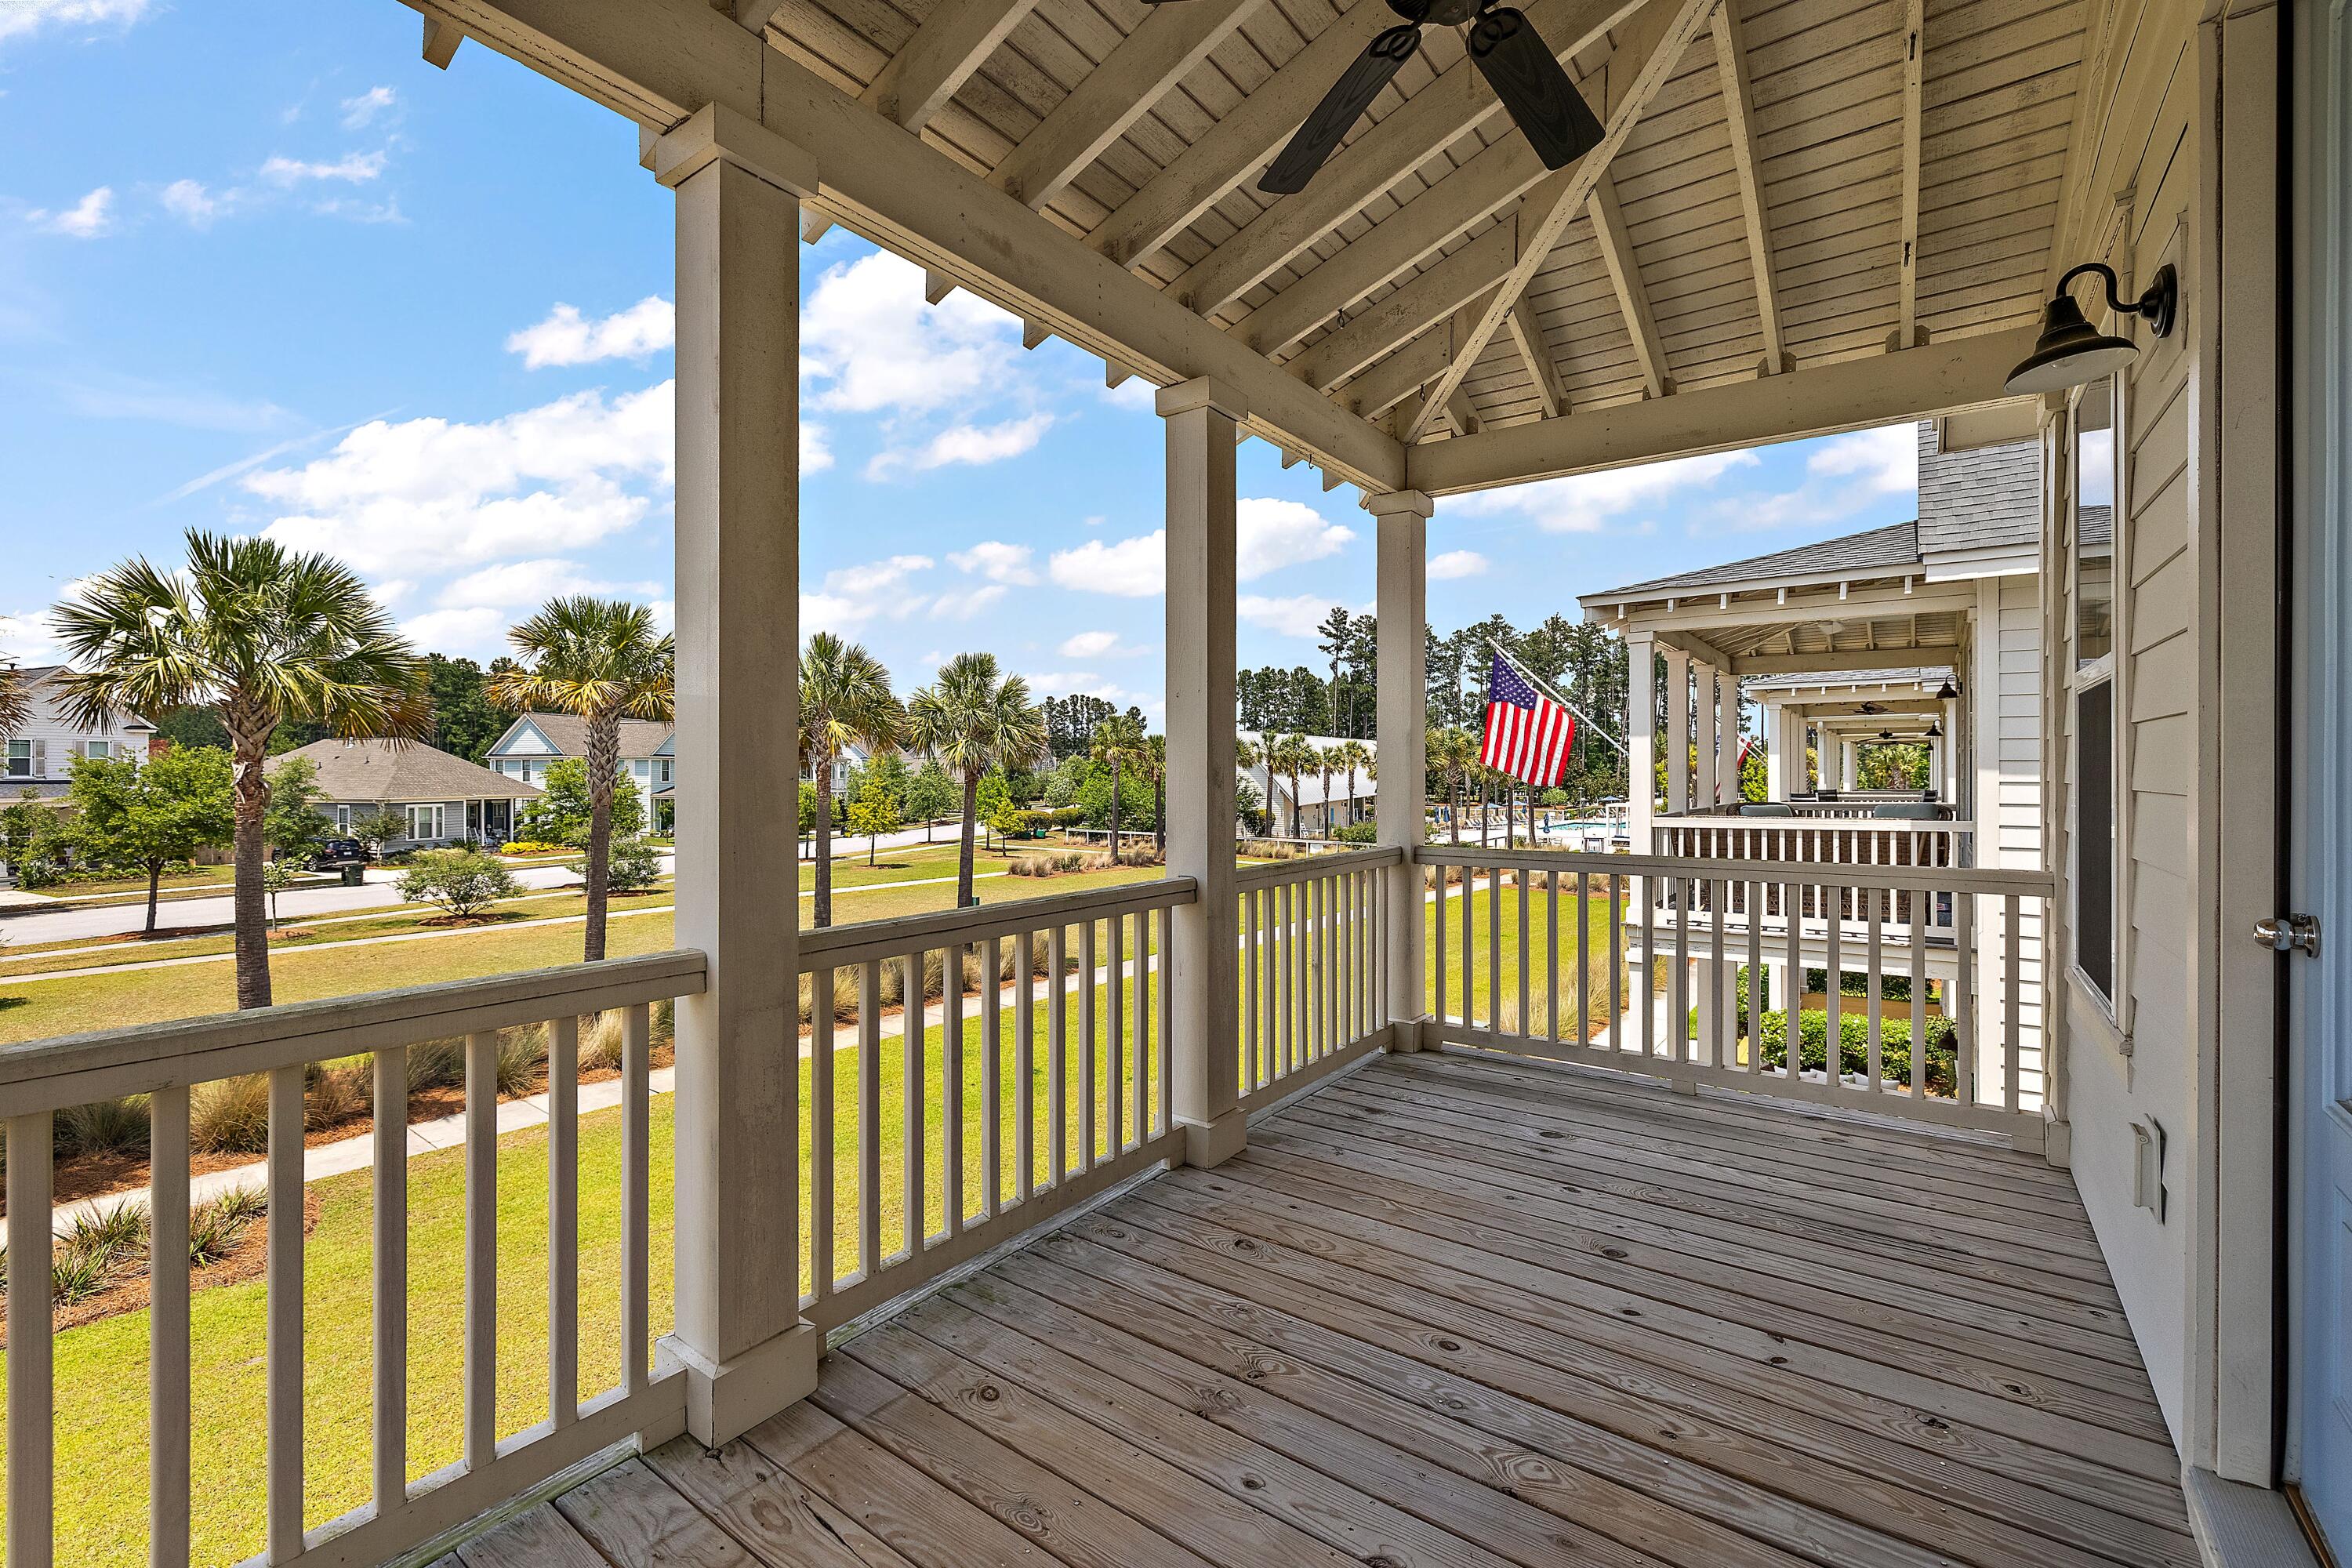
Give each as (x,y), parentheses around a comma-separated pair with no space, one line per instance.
(1874,550)
(1985,498)
(568,734)
(381,770)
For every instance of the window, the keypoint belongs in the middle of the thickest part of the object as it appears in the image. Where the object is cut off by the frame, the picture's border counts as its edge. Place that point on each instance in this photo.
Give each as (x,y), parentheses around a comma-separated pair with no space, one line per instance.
(99,750)
(424,822)
(665,765)
(344,820)
(2091,680)
(20,758)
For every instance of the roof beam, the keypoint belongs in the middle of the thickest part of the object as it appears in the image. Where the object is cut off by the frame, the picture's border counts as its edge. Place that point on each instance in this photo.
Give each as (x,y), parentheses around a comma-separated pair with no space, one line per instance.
(1698,647)
(1535,351)
(1928,656)
(658,61)
(1400,316)
(1633,75)
(1907,332)
(1241,143)
(917,82)
(1739,118)
(1851,395)
(1380,155)
(1168,42)
(1695,608)
(1397,375)
(1462,413)
(442,37)
(1625,277)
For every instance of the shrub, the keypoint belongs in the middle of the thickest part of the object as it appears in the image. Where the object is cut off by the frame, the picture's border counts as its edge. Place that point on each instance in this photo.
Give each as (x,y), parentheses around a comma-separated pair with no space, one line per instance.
(75,1277)
(462,881)
(110,1236)
(600,1040)
(337,1092)
(213,1227)
(1853,1046)
(104,1127)
(522,1050)
(1359,833)
(634,866)
(1051,864)
(532,847)
(436,1064)
(230,1115)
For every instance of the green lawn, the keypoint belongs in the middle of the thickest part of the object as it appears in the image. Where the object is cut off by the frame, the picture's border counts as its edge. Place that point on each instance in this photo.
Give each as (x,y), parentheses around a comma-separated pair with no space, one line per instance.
(1470,962)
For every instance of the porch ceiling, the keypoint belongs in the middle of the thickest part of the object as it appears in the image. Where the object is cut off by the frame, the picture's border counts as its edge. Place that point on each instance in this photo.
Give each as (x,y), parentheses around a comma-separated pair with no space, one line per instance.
(1779,194)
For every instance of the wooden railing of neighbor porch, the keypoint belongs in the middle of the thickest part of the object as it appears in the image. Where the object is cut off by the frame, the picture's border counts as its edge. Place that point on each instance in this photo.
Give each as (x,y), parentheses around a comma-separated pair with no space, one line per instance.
(165,1063)
(1648,963)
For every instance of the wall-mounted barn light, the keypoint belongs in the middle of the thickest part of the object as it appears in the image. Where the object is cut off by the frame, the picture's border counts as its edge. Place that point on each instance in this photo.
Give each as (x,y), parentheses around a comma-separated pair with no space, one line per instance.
(1947,692)
(1936,730)
(2071,350)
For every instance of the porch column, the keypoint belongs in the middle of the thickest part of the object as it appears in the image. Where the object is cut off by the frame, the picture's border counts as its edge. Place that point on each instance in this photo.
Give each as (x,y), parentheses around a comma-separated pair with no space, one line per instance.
(740,1335)
(1204,1010)
(1640,741)
(1678,731)
(1849,764)
(1402,718)
(1726,729)
(1704,787)
(1774,722)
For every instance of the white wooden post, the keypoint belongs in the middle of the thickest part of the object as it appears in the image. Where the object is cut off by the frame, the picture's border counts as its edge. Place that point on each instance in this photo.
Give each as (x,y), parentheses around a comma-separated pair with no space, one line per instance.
(1204,1010)
(1640,741)
(1849,764)
(738,1335)
(1705,785)
(1775,752)
(1402,616)
(1727,732)
(1678,733)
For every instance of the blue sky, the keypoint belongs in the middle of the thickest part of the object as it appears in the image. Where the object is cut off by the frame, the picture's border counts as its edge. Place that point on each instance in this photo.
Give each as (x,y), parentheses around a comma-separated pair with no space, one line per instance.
(284,276)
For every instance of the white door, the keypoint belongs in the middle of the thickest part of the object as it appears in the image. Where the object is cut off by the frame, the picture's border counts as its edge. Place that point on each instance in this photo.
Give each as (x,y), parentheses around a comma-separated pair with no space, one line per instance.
(2320,992)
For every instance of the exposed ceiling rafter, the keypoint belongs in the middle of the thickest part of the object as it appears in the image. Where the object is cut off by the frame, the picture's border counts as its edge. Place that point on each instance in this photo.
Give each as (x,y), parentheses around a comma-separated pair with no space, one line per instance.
(1625,278)
(1906,333)
(1543,372)
(1740,121)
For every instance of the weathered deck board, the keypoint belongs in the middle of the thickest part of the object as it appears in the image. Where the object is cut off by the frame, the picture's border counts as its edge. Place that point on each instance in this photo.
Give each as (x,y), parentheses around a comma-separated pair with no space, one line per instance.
(1457,1312)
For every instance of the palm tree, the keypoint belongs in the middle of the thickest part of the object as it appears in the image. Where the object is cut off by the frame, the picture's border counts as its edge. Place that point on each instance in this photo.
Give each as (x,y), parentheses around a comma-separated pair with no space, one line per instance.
(975,721)
(845,701)
(258,635)
(1117,741)
(1453,751)
(1348,757)
(15,702)
(1327,763)
(597,659)
(1155,768)
(1294,754)
(1247,754)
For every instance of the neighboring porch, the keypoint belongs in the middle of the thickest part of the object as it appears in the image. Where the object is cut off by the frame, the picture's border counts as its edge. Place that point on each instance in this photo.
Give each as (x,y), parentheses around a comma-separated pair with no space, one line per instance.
(1452,1309)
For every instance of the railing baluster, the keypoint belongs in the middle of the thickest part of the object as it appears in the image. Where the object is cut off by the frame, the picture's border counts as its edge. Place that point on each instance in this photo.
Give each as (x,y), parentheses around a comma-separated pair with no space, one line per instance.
(1115,1043)
(481,1329)
(2013,1060)
(1333,973)
(1551,956)
(1678,1027)
(1057,1047)
(1918,997)
(637,1196)
(1087,1034)
(1470,947)
(1437,946)
(1142,1054)
(869,1118)
(1301,996)
(1964,1020)
(1527,946)
(1253,1041)
(283,1403)
(1024,1061)
(563,1220)
(1749,1025)
(1833,988)
(1584,955)
(991,1077)
(1494,949)
(1720,997)
(32,1406)
(822,1006)
(1792,1032)
(1875,1059)
(952,1194)
(168,1385)
(1645,996)
(913,1090)
(1162,1066)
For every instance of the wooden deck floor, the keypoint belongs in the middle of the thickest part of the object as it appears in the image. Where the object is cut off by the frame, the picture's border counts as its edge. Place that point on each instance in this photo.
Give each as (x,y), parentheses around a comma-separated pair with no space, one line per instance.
(1451,1311)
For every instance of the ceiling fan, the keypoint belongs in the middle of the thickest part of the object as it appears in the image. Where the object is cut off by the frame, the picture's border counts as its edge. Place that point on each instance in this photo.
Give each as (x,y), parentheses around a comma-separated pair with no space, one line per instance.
(1512,55)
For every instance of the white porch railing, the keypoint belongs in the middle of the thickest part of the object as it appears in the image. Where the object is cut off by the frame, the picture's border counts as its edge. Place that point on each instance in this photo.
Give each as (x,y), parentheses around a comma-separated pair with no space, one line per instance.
(1852,842)
(164,1063)
(1314,967)
(1695,971)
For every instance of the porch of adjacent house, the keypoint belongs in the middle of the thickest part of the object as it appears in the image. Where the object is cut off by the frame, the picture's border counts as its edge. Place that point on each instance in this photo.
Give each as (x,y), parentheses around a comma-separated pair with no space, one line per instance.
(1454,1308)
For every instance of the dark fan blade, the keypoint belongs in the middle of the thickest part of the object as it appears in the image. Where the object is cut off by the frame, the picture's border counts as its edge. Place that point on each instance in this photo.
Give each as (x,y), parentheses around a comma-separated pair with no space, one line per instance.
(1341,106)
(1518,65)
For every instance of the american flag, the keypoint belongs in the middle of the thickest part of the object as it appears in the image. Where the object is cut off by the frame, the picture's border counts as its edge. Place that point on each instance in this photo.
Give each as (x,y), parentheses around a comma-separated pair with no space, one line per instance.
(1527,734)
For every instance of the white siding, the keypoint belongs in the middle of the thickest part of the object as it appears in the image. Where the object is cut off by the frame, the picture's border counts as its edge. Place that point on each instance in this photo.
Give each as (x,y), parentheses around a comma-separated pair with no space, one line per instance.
(54,742)
(2008,805)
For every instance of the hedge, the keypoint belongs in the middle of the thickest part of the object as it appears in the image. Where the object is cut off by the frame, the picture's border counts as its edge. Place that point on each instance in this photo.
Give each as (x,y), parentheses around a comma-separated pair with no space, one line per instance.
(1853,1038)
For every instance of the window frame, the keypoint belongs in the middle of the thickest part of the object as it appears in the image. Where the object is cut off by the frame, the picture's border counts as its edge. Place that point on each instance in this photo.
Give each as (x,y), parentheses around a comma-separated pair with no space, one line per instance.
(438,820)
(2081,677)
(9,756)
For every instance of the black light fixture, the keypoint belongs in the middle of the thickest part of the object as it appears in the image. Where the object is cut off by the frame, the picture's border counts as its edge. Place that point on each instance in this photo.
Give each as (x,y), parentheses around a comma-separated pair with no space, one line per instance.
(2071,350)
(1947,692)
(1936,730)
(1887,734)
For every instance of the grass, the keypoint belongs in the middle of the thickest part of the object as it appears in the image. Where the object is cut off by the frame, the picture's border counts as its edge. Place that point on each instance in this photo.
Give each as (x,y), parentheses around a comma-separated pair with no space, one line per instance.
(1468,963)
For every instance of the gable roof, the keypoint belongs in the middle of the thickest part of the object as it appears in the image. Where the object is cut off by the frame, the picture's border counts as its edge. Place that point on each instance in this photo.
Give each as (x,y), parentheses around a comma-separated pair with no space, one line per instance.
(386,771)
(1872,551)
(1984,497)
(33,675)
(568,734)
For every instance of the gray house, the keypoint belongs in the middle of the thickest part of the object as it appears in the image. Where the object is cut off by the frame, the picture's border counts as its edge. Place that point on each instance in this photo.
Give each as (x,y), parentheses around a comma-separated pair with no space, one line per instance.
(535,740)
(444,798)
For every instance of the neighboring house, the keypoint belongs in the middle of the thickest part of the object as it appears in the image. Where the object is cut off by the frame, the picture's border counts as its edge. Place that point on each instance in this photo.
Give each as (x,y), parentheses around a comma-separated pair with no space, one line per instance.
(535,740)
(1313,810)
(852,757)
(444,799)
(39,758)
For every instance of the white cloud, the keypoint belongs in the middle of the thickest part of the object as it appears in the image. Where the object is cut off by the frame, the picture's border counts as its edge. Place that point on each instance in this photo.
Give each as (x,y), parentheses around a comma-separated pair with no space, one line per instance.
(1096,644)
(1295,616)
(1272,534)
(22,16)
(25,638)
(996,561)
(355,168)
(566,337)
(361,110)
(853,596)
(973,444)
(476,629)
(817,455)
(1457,563)
(557,477)
(191,203)
(514,584)
(1134,392)
(869,337)
(1886,459)
(1133,568)
(86,219)
(1053,682)
(124,397)
(964,605)
(1587,502)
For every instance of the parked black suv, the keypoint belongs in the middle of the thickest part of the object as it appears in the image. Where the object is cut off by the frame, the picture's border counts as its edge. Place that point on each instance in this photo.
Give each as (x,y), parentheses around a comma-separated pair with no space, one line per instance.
(337,852)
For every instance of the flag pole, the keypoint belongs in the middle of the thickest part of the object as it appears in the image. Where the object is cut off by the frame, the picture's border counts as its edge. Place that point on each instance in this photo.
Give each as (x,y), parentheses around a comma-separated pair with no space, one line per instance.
(1546,687)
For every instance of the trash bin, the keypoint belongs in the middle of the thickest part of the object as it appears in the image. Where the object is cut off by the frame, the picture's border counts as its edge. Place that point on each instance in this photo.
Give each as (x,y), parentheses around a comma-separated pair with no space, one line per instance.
(355,873)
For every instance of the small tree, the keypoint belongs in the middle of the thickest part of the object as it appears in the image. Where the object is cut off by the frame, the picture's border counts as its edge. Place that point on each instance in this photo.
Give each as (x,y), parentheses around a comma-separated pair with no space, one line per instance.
(462,882)
(930,795)
(564,811)
(636,866)
(276,876)
(292,823)
(380,827)
(874,812)
(1119,744)
(131,817)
